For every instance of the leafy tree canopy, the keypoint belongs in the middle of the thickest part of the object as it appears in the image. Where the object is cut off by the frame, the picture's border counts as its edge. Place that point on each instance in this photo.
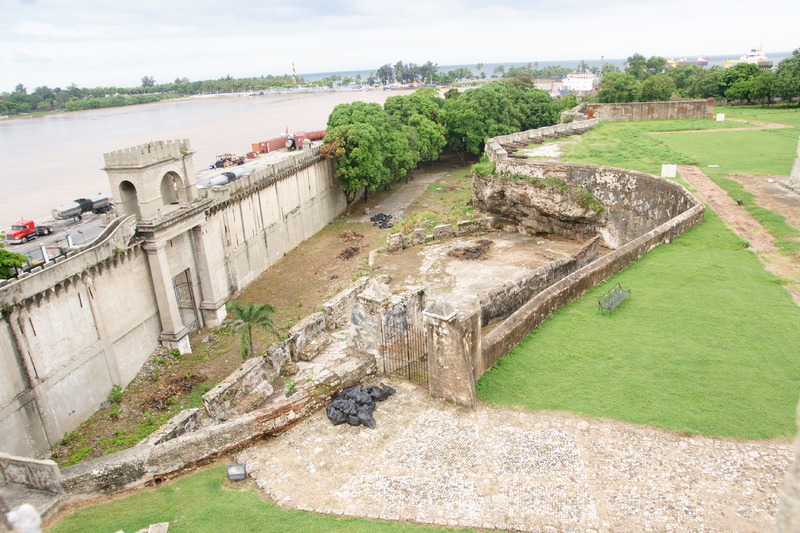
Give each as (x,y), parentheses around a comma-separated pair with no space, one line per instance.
(618,87)
(657,88)
(495,109)
(9,262)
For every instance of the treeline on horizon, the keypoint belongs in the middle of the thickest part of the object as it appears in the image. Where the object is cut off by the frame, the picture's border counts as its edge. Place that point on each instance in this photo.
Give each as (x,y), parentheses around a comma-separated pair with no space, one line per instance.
(74,98)
(644,79)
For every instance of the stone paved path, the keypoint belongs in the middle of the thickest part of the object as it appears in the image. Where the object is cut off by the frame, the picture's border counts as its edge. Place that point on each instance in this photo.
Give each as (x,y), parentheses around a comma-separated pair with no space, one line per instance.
(430,462)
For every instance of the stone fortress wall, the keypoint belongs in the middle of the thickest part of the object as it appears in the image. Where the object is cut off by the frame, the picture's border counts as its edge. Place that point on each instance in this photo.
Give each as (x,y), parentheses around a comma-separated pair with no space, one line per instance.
(669,110)
(71,331)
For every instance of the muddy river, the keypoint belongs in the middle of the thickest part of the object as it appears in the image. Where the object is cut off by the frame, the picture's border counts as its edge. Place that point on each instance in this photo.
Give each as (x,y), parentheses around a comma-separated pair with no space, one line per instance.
(51,160)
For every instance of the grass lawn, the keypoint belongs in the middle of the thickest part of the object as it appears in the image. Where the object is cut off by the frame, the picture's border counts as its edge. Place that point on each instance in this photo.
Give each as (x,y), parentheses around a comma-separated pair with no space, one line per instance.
(708,341)
(206,501)
(706,344)
(745,152)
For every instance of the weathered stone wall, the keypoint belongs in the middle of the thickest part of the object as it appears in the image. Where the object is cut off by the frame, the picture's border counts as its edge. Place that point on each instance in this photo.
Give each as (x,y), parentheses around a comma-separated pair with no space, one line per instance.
(60,349)
(507,335)
(139,465)
(622,205)
(640,211)
(494,147)
(252,378)
(671,110)
(504,300)
(399,241)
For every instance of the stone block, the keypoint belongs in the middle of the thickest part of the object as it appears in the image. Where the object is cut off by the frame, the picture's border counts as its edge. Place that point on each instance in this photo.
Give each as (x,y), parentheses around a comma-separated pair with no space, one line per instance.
(467,227)
(220,400)
(305,332)
(443,231)
(418,236)
(394,243)
(186,421)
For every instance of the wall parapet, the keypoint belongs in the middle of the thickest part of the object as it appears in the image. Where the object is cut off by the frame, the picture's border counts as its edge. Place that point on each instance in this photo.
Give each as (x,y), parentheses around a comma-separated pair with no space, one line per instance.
(494,147)
(33,473)
(147,154)
(112,245)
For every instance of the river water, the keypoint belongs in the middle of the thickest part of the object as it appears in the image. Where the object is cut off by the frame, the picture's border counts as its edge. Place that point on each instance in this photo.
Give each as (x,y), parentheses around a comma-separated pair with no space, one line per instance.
(51,160)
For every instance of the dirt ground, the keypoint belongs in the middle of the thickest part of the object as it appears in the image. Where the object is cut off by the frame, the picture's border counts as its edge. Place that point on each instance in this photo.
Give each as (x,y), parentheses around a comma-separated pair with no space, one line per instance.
(746,226)
(770,194)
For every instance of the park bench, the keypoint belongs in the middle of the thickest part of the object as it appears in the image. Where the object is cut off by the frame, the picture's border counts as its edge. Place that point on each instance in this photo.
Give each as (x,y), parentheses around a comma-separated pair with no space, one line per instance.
(613,298)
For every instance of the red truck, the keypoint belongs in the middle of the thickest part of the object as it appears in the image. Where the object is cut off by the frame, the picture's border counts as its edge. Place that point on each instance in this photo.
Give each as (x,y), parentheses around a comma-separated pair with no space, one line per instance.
(24,230)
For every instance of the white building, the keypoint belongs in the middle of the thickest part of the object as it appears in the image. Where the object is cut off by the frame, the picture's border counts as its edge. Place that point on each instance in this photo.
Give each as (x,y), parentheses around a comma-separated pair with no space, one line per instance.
(575,82)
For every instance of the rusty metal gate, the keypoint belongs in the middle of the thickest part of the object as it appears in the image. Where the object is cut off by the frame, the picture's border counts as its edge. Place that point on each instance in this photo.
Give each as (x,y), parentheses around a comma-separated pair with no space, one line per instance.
(184,294)
(405,349)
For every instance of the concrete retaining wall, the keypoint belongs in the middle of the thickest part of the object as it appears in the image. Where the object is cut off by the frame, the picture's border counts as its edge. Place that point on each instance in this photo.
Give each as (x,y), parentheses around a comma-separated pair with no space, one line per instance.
(61,353)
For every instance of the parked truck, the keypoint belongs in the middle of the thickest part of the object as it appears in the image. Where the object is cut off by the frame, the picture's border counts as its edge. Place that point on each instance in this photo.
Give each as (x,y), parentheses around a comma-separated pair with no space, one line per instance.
(25,230)
(96,204)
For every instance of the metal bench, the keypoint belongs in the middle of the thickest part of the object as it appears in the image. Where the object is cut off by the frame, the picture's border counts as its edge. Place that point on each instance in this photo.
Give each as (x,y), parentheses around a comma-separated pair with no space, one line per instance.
(613,298)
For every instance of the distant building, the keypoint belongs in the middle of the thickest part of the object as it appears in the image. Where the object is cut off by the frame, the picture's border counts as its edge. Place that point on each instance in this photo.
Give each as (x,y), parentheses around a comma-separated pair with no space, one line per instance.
(579,83)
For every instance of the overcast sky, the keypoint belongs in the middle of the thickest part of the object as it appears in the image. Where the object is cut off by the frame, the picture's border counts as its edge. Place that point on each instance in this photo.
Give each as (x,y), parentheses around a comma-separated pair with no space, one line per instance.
(117,42)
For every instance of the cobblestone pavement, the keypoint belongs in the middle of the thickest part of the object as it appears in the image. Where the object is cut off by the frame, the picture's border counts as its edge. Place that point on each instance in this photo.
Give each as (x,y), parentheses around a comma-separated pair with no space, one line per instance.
(431,462)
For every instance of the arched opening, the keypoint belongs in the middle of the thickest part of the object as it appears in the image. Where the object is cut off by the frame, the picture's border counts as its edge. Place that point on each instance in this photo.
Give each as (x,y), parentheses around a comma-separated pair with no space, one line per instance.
(129,199)
(171,187)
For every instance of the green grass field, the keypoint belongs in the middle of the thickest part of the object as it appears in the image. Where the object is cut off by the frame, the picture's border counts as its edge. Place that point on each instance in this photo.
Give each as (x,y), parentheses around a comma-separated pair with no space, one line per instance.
(708,343)
(206,501)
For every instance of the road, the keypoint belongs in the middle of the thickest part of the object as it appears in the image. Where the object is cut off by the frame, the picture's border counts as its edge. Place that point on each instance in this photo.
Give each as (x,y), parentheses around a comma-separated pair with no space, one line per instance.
(85,230)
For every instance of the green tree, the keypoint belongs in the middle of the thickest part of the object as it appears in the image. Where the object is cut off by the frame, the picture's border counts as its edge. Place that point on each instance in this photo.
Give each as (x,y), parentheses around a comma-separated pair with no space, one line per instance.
(385,73)
(521,78)
(787,78)
(10,261)
(618,87)
(499,71)
(657,88)
(636,66)
(608,68)
(148,81)
(495,109)
(420,115)
(740,72)
(368,149)
(428,71)
(249,316)
(358,161)
(704,83)
(642,68)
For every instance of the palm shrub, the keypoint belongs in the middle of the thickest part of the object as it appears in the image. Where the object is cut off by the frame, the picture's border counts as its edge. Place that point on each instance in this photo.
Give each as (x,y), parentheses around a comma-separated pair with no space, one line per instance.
(248,316)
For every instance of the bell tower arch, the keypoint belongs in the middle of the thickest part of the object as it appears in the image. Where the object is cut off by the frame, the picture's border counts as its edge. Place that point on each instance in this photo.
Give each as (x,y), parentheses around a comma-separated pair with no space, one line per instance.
(153,179)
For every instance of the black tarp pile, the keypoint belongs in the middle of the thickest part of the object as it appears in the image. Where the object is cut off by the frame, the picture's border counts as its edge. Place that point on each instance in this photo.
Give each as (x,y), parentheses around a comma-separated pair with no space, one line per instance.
(355,405)
(381,220)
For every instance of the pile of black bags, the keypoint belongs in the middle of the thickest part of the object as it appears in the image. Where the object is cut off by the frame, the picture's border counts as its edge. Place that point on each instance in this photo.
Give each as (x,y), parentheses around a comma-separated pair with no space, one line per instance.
(355,405)
(381,220)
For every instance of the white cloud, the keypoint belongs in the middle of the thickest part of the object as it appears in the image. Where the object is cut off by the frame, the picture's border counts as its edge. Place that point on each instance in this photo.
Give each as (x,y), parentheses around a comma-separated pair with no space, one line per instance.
(107,42)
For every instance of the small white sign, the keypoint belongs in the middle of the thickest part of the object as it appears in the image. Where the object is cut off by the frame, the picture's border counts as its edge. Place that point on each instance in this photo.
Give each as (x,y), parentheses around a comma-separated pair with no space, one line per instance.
(669,171)
(720,117)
